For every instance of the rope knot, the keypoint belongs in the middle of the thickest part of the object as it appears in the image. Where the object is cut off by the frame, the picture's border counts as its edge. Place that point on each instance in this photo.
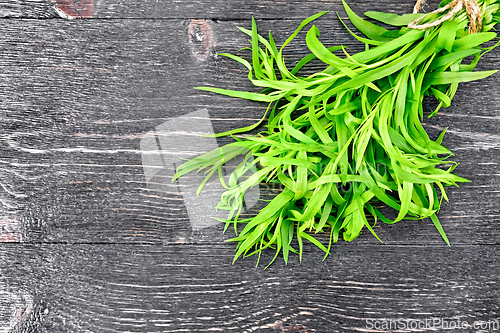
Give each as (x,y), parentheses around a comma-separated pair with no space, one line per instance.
(471,7)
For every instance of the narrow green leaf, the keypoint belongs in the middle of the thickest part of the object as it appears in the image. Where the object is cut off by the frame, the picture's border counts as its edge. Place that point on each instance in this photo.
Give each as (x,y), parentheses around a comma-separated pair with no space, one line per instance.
(447,35)
(243,94)
(369,29)
(438,226)
(393,19)
(455,77)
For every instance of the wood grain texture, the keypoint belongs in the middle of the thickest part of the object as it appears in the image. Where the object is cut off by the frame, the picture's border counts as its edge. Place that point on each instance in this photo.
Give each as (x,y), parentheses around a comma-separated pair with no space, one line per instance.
(88,245)
(27,9)
(174,9)
(79,96)
(131,288)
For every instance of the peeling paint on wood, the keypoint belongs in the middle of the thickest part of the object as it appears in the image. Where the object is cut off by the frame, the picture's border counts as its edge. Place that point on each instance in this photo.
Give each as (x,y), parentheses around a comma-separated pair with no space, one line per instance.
(24,308)
(16,309)
(201,39)
(10,230)
(70,10)
(297,329)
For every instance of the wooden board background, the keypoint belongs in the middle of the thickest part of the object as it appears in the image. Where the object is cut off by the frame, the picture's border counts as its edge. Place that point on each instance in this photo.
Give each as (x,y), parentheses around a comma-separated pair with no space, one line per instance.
(87,246)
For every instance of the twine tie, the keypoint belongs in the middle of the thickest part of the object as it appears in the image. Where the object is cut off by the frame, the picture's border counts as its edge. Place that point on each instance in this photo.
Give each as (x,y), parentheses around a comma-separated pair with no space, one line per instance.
(471,7)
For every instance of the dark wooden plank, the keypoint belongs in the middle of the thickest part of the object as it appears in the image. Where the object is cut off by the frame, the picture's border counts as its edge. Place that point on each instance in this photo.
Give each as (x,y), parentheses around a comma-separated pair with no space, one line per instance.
(79,101)
(78,98)
(185,288)
(208,9)
(27,9)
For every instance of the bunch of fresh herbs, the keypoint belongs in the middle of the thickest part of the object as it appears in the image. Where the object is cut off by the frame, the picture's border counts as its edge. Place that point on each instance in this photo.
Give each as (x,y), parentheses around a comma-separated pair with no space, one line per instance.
(341,140)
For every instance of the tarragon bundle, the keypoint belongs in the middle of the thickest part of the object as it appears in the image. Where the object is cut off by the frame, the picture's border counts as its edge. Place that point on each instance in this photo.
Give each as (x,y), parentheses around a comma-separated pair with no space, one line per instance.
(345,140)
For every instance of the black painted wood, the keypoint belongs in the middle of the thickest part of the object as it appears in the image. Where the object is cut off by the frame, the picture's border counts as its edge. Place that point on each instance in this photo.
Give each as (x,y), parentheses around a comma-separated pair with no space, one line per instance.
(86,245)
(77,103)
(133,288)
(207,9)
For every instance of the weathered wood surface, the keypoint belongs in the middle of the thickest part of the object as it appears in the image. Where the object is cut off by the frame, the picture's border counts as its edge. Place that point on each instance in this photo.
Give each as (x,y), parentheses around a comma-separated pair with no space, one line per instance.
(77,98)
(76,104)
(198,9)
(116,288)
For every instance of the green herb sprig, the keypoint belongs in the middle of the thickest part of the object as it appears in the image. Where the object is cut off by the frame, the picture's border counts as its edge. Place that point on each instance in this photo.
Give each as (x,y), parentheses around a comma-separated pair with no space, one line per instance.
(357,139)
